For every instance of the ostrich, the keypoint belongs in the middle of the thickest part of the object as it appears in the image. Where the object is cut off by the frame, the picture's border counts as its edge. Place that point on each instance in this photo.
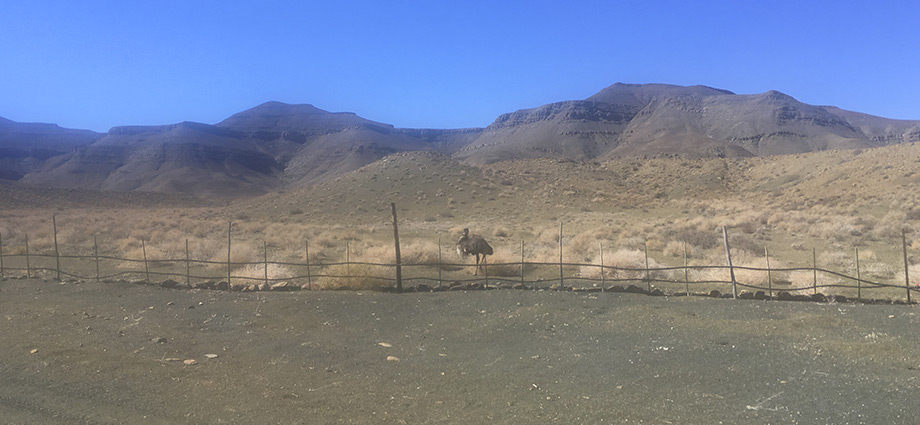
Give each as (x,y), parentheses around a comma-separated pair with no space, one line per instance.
(473,245)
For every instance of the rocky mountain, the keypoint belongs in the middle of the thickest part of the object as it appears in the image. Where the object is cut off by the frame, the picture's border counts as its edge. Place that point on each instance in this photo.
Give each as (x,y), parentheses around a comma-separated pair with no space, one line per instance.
(251,152)
(25,146)
(626,120)
(277,145)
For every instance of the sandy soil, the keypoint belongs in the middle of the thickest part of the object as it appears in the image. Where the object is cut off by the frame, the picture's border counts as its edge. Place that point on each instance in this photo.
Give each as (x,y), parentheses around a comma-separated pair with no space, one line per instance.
(115,353)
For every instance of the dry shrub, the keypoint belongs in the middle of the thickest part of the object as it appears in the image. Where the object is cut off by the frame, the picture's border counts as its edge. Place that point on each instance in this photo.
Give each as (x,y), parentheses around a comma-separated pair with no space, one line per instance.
(255,273)
(502,265)
(354,277)
(632,259)
(676,249)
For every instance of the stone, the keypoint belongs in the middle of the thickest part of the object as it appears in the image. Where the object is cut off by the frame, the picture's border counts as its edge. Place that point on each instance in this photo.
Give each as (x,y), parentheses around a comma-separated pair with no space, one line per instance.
(422,288)
(392,359)
(284,286)
(518,286)
(190,362)
(170,284)
(657,293)
(819,297)
(210,356)
(222,286)
(760,295)
(784,296)
(715,293)
(633,289)
(158,340)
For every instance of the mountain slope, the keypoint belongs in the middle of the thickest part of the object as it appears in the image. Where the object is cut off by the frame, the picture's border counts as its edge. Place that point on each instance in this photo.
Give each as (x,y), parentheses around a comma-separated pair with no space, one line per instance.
(188,157)
(25,146)
(662,120)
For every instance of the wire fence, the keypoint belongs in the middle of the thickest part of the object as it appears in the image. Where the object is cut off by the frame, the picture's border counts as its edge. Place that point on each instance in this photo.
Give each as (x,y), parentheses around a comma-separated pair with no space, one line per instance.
(523,274)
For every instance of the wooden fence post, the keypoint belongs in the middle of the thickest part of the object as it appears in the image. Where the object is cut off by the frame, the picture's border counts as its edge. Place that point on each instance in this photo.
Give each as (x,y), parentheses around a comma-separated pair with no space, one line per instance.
(1,256)
(814,268)
(906,273)
(57,254)
(307,255)
(398,258)
(96,256)
(603,278)
(858,279)
(347,261)
(648,276)
(146,268)
(731,268)
(188,267)
(28,261)
(265,259)
(522,263)
(561,277)
(229,229)
(686,271)
(766,254)
(439,262)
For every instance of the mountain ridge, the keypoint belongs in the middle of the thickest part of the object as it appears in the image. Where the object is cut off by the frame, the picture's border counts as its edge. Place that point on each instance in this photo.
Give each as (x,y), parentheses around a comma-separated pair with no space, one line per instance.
(275,145)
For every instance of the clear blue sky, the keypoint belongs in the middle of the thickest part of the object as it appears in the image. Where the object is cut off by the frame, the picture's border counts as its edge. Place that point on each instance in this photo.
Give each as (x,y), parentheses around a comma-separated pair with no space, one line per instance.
(438,64)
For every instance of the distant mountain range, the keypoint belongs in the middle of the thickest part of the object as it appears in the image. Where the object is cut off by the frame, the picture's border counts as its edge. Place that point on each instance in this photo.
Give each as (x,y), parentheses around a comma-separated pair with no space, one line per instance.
(277,145)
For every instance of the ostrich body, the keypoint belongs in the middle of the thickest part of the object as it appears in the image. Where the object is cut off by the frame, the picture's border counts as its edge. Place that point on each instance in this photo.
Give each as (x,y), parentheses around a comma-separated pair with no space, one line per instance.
(473,245)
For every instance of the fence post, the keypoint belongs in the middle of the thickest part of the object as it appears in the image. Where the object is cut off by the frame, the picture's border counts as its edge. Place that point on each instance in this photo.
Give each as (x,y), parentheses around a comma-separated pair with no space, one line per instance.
(265,259)
(561,277)
(307,255)
(766,254)
(731,268)
(485,271)
(146,268)
(814,269)
(522,263)
(28,261)
(229,229)
(858,279)
(188,267)
(686,271)
(57,254)
(1,256)
(396,241)
(439,262)
(648,276)
(96,255)
(906,273)
(347,261)
(603,278)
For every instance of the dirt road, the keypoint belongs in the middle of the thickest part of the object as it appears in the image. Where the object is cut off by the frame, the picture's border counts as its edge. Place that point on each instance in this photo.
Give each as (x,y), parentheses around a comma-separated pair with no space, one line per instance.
(116,353)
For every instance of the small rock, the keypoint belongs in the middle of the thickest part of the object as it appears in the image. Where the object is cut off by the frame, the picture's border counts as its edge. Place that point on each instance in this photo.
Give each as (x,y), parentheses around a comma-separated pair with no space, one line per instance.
(159,340)
(392,359)
(170,284)
(385,344)
(172,359)
(190,362)
(33,351)
(210,356)
(633,289)
(784,296)
(715,293)
(518,286)
(760,295)
(657,293)
(422,288)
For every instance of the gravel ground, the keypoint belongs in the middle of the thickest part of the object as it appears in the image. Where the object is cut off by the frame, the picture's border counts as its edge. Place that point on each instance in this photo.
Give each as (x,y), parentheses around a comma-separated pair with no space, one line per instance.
(92,353)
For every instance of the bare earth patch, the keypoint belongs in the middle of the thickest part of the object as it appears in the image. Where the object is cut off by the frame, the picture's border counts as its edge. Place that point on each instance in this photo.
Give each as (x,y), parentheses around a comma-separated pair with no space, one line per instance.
(117,353)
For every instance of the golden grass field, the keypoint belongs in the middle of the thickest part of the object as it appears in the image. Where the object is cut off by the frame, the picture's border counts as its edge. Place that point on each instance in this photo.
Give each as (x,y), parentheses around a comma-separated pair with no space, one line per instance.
(833,202)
